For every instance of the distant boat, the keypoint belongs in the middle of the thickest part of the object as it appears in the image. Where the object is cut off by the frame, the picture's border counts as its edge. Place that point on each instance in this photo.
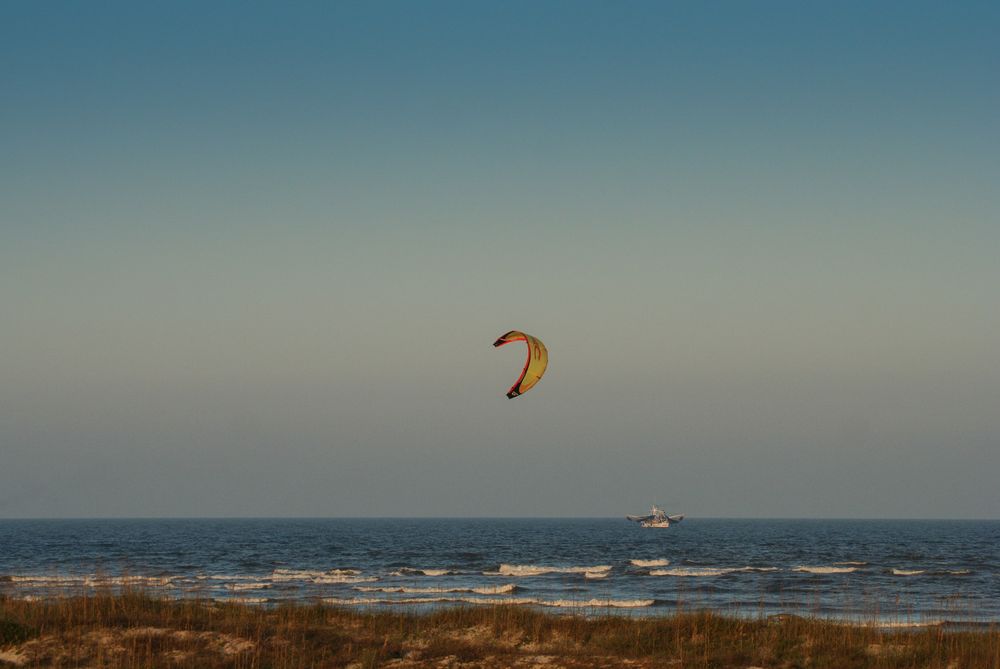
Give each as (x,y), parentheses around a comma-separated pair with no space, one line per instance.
(657,518)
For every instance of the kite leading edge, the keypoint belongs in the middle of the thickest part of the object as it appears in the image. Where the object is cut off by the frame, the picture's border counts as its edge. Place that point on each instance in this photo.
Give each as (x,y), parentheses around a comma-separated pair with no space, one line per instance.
(538,360)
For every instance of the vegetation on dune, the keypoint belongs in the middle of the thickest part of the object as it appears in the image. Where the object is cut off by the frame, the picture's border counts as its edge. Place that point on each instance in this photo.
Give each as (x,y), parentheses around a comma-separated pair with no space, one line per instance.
(134,629)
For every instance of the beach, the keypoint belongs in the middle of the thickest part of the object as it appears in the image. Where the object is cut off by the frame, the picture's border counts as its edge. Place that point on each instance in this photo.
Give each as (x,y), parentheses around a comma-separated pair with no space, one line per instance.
(135,629)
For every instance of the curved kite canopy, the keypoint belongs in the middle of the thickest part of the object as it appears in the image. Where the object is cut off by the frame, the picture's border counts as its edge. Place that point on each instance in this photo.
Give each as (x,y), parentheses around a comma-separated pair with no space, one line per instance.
(538,360)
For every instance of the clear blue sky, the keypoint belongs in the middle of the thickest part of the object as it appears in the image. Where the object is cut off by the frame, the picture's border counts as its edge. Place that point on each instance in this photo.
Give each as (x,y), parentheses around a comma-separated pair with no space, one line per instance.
(253,257)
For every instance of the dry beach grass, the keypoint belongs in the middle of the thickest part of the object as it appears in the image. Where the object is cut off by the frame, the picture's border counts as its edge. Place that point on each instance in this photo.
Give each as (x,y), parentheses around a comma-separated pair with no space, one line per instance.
(135,629)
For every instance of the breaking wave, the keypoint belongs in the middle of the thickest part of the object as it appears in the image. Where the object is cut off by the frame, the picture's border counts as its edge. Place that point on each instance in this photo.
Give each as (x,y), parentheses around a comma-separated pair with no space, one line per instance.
(486,590)
(321,577)
(240,587)
(825,570)
(650,563)
(908,572)
(93,581)
(536,570)
(411,571)
(558,603)
(708,571)
(904,624)
(242,600)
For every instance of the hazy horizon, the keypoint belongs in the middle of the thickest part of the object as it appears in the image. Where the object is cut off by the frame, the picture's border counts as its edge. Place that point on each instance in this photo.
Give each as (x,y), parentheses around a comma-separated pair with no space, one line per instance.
(253,259)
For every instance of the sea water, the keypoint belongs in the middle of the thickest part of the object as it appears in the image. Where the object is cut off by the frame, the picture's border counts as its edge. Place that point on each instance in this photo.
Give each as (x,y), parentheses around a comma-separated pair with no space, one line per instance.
(901,573)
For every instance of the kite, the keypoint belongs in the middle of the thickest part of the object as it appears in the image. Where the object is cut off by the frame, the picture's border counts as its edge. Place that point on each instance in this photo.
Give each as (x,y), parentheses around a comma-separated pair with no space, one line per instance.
(538,359)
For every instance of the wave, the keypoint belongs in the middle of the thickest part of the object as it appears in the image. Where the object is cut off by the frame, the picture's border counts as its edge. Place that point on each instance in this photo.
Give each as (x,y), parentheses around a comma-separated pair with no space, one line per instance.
(825,570)
(335,578)
(356,601)
(93,580)
(321,577)
(595,574)
(411,571)
(708,571)
(536,570)
(650,563)
(239,587)
(903,624)
(242,600)
(851,563)
(486,590)
(598,603)
(558,603)
(936,572)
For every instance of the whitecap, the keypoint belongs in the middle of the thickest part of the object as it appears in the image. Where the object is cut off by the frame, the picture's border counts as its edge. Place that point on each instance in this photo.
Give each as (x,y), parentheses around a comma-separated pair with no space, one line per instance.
(48,580)
(903,624)
(321,577)
(908,572)
(597,603)
(412,571)
(356,601)
(825,570)
(559,603)
(487,590)
(693,571)
(709,571)
(239,587)
(596,574)
(538,570)
(662,562)
(339,578)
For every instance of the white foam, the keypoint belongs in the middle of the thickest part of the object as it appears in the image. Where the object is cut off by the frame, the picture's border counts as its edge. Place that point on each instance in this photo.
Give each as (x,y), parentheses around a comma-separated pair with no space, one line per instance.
(355,601)
(960,572)
(597,603)
(130,580)
(596,574)
(825,570)
(709,571)
(487,590)
(411,571)
(537,570)
(242,600)
(908,572)
(321,577)
(340,578)
(295,575)
(903,624)
(53,580)
(560,603)
(663,562)
(239,587)
(693,571)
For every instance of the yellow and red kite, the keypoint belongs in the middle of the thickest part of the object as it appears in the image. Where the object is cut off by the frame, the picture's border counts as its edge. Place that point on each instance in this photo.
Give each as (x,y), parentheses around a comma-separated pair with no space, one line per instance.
(538,360)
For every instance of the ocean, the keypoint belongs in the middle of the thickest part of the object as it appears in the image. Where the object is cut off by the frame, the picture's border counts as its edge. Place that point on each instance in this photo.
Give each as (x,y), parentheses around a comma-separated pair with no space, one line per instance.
(895,572)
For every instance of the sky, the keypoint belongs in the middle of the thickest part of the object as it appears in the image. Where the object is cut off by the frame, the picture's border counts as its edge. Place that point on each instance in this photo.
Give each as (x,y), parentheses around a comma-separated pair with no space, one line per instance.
(253,257)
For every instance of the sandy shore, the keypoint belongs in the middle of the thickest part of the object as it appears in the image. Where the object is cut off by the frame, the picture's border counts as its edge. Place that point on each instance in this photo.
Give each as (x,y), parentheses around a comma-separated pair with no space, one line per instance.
(136,630)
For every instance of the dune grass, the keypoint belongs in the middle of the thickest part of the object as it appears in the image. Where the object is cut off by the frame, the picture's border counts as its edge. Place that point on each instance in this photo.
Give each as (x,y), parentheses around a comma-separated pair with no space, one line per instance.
(134,629)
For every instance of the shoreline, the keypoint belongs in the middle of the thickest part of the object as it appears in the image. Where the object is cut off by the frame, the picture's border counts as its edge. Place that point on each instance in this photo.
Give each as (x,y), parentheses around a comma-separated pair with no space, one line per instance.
(136,628)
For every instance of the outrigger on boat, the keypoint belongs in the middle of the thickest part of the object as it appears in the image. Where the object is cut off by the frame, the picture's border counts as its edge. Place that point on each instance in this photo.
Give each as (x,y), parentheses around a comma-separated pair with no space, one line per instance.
(657,518)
